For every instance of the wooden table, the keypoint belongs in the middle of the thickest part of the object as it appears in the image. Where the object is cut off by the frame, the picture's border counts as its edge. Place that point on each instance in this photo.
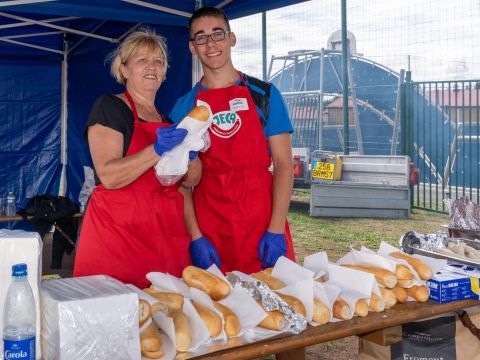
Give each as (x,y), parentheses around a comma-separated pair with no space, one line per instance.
(399,314)
(5,218)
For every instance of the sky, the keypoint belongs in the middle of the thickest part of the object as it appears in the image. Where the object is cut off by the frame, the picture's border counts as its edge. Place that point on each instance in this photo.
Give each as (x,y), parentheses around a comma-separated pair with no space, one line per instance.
(437,39)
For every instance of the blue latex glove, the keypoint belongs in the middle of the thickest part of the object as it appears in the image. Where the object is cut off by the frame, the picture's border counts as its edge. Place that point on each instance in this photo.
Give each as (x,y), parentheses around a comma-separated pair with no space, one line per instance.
(270,248)
(203,253)
(167,138)
(192,155)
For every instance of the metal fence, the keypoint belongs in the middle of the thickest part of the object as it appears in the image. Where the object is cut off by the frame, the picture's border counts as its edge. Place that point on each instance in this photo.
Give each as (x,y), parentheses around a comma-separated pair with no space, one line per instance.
(441,133)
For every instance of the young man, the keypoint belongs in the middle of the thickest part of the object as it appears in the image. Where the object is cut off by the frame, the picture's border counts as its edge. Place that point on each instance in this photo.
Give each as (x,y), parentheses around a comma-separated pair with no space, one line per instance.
(238,217)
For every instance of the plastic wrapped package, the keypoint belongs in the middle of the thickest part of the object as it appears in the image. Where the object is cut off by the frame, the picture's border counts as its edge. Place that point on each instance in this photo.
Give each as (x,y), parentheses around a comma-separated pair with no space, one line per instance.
(174,164)
(18,246)
(91,317)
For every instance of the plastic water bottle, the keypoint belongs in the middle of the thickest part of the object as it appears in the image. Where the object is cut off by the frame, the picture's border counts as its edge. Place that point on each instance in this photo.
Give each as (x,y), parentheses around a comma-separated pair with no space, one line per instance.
(19,318)
(10,209)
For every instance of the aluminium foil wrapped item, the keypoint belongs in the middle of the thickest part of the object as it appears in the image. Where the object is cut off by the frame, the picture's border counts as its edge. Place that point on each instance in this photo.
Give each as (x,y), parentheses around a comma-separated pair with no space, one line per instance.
(271,301)
(90,317)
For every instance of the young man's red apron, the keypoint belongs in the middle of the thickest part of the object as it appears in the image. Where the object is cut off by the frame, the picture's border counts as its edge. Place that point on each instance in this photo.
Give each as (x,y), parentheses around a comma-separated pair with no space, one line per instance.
(139,228)
(233,201)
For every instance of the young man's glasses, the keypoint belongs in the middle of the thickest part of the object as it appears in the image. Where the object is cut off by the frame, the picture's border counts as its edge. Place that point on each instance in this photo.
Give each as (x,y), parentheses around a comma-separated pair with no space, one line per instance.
(216,36)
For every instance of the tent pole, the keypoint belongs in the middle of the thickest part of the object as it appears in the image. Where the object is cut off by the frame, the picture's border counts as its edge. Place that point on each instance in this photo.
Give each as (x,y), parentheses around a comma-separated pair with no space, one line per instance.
(63,124)
(196,65)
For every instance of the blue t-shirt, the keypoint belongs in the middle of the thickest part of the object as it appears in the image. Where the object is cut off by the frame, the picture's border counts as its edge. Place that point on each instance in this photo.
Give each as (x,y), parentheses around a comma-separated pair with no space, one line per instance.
(277,122)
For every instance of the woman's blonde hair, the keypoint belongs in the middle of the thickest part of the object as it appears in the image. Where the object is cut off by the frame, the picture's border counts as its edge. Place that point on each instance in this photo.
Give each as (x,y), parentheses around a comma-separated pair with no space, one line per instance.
(140,38)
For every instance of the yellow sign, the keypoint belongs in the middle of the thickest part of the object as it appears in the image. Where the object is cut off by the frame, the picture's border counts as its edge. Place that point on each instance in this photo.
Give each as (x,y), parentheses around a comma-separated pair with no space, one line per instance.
(322,170)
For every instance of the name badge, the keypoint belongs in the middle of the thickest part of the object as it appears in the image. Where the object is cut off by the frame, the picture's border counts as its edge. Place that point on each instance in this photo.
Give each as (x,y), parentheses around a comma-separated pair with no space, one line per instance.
(238,104)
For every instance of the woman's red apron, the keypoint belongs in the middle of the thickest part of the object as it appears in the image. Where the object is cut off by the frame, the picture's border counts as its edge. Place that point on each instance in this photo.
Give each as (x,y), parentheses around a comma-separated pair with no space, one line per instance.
(233,201)
(139,228)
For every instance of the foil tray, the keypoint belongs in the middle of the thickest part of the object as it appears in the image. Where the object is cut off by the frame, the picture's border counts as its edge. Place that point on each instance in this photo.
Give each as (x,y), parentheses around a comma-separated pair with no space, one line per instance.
(416,243)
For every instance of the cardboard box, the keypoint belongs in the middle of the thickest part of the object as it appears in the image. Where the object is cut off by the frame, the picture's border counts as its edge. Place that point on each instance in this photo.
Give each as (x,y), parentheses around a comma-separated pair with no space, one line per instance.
(448,286)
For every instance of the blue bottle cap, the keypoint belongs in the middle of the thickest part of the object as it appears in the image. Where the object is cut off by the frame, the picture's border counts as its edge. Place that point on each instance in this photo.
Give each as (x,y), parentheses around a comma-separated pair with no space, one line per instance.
(19,269)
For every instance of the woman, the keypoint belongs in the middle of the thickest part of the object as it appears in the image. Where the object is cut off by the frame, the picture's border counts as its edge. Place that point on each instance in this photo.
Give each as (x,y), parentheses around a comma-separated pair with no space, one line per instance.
(133,224)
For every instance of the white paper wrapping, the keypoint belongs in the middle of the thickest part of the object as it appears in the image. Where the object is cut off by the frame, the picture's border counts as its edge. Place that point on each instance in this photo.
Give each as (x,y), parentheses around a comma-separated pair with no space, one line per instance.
(91,317)
(318,263)
(18,246)
(168,343)
(174,163)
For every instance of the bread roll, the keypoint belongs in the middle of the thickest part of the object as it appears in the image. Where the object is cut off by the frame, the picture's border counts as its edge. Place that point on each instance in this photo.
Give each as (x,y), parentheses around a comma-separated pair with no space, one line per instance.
(376,303)
(199,113)
(231,324)
(403,272)
(423,270)
(388,297)
(341,310)
(144,311)
(150,339)
(418,292)
(273,321)
(296,304)
(405,283)
(173,301)
(384,277)
(400,294)
(210,319)
(183,333)
(204,280)
(269,280)
(321,313)
(361,308)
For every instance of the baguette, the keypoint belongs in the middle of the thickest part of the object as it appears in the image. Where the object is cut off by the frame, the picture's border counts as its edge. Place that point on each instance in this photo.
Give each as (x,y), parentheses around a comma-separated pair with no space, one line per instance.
(210,319)
(173,301)
(401,294)
(268,270)
(361,308)
(321,314)
(150,339)
(273,321)
(403,273)
(296,304)
(388,297)
(423,270)
(269,280)
(183,333)
(341,310)
(199,113)
(384,277)
(405,283)
(144,311)
(418,292)
(204,280)
(153,354)
(376,303)
(231,324)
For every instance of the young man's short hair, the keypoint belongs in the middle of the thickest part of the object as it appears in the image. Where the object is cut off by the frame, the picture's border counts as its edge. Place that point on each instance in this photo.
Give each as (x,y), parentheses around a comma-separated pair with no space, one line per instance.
(208,11)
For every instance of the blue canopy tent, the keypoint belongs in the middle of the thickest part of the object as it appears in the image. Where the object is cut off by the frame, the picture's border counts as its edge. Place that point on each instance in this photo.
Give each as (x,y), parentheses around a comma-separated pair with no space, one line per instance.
(52,68)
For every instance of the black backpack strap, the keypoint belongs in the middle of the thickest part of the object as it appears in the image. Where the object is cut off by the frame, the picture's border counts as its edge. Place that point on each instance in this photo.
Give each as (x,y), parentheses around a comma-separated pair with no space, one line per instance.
(260,91)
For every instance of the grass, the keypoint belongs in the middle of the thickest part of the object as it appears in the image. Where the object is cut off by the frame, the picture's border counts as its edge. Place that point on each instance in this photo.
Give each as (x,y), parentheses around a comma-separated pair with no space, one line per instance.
(337,235)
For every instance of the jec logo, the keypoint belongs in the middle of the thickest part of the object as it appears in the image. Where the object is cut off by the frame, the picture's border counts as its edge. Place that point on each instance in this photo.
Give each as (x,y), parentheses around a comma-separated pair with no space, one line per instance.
(226,124)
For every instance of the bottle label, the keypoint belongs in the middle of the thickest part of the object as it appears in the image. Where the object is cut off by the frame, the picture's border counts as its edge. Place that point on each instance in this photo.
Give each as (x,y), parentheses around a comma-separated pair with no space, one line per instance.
(19,349)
